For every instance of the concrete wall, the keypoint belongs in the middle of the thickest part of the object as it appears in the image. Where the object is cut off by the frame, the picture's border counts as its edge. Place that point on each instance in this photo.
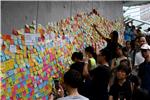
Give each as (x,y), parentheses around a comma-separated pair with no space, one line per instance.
(15,14)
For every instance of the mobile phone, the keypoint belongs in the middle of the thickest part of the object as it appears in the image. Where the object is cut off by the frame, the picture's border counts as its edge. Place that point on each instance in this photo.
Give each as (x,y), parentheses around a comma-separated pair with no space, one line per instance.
(56,82)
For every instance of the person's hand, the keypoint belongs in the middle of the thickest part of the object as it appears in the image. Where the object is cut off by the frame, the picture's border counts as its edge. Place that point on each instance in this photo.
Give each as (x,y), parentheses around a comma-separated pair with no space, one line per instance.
(86,59)
(94,25)
(51,97)
(60,91)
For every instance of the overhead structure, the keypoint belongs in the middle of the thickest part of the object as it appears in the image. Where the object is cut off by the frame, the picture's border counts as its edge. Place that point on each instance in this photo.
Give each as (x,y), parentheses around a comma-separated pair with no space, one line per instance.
(132,13)
(134,3)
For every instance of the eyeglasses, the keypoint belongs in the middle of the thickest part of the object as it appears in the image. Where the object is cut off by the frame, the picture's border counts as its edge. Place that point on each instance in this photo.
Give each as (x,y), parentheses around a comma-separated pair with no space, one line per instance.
(144,50)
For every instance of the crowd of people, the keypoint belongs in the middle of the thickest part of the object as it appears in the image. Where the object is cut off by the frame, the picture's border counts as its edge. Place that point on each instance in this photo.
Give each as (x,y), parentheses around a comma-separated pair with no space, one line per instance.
(116,72)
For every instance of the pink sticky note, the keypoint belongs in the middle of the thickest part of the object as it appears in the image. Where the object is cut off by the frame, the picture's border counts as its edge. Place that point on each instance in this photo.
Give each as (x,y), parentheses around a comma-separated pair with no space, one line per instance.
(44,98)
(45,78)
(3,97)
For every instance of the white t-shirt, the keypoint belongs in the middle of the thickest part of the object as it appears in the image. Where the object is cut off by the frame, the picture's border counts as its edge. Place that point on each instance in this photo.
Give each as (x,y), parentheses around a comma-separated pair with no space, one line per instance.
(79,97)
(138,58)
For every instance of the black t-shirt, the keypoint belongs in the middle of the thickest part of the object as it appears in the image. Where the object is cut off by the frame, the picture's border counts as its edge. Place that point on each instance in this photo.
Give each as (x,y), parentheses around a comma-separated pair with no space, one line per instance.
(144,74)
(100,80)
(122,92)
(111,46)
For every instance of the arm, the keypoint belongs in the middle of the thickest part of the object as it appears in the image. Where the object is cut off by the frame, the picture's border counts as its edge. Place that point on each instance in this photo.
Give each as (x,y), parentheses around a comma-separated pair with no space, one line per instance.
(110,97)
(95,27)
(113,64)
(86,68)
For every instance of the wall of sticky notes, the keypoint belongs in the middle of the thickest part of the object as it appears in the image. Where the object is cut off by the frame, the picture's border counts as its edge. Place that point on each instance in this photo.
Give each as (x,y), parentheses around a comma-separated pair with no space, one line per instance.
(32,56)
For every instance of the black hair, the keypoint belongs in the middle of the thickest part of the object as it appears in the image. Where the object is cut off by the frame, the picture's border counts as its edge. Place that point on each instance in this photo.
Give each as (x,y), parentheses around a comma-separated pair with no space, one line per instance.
(77,55)
(73,78)
(127,42)
(124,68)
(126,62)
(105,52)
(80,56)
(115,36)
(74,55)
(90,49)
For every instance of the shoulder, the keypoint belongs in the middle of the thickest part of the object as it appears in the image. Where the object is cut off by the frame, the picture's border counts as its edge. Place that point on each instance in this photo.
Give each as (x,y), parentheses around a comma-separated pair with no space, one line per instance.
(83,98)
(108,40)
(80,97)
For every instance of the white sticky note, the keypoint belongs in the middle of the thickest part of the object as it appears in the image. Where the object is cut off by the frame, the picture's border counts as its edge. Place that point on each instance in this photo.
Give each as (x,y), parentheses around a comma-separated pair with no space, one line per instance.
(12,48)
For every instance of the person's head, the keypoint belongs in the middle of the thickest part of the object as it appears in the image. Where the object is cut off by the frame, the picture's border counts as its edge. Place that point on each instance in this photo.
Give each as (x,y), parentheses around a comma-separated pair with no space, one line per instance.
(128,44)
(77,56)
(142,40)
(136,42)
(72,79)
(74,56)
(125,51)
(103,56)
(125,62)
(145,50)
(114,36)
(89,51)
(119,51)
(122,72)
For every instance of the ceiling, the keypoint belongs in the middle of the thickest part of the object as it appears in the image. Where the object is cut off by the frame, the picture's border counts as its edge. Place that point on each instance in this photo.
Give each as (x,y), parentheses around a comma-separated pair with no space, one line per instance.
(134,3)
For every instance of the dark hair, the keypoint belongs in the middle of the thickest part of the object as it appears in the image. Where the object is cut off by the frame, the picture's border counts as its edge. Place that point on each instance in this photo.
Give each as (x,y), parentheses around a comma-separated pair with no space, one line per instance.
(124,68)
(90,49)
(126,62)
(74,55)
(115,36)
(80,56)
(77,55)
(105,52)
(127,42)
(73,78)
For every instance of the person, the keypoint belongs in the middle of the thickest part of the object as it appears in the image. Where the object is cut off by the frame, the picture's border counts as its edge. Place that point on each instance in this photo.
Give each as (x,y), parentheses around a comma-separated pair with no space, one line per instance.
(121,88)
(89,51)
(120,56)
(112,43)
(144,68)
(78,64)
(100,77)
(72,80)
(138,59)
(77,57)
(128,48)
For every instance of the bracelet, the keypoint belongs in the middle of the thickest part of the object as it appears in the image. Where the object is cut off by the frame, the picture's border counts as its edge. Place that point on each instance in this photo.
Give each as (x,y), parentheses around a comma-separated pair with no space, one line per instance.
(86,62)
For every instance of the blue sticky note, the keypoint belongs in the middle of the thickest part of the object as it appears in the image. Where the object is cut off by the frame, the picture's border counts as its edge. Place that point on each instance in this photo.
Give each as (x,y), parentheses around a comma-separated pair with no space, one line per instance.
(28,47)
(16,66)
(54,61)
(28,95)
(24,83)
(7,57)
(8,89)
(27,66)
(3,59)
(18,85)
(10,72)
(37,78)
(21,47)
(15,42)
(36,89)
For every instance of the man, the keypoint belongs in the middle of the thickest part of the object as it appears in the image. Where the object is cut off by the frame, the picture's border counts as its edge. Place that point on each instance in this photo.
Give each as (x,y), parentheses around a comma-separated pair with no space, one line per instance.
(100,77)
(144,68)
(72,80)
(138,56)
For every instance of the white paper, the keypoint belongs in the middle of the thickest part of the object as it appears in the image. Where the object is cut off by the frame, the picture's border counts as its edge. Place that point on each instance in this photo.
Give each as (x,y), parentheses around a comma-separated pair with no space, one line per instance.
(30,39)
(12,48)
